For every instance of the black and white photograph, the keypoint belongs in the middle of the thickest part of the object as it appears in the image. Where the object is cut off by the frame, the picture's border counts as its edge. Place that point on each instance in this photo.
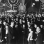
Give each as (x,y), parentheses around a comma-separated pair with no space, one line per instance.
(21,21)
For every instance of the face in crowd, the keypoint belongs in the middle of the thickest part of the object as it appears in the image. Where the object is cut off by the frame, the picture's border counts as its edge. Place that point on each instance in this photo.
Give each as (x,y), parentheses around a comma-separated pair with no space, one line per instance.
(35,25)
(12,24)
(41,26)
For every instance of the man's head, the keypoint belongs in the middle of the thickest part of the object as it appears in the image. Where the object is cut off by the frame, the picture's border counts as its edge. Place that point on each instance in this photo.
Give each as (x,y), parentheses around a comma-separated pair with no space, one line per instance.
(6,27)
(41,26)
(30,30)
(4,23)
(35,25)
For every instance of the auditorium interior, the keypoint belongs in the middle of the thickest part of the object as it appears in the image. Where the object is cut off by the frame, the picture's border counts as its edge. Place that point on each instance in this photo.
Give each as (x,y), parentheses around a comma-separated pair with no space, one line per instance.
(21,21)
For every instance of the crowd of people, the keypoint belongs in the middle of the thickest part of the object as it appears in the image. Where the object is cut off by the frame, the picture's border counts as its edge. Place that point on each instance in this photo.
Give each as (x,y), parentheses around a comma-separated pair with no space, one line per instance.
(31,25)
(22,22)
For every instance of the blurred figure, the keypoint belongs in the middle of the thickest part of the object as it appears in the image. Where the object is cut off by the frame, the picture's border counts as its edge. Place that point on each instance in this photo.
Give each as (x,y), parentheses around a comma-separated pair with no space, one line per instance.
(30,35)
(23,26)
(37,30)
(3,31)
(6,27)
(42,32)
(35,25)
(28,23)
(12,24)
(22,8)
(20,21)
(4,23)
(6,32)
(39,35)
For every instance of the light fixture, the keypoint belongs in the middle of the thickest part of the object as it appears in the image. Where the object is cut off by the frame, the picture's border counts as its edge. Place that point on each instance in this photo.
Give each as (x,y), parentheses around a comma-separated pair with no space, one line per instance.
(36,0)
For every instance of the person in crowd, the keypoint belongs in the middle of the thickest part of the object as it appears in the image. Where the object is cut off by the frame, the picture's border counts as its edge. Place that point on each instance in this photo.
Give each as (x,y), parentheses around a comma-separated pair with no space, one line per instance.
(12,28)
(3,31)
(21,8)
(6,32)
(42,32)
(12,24)
(28,23)
(30,35)
(39,35)
(34,34)
(0,30)
(6,29)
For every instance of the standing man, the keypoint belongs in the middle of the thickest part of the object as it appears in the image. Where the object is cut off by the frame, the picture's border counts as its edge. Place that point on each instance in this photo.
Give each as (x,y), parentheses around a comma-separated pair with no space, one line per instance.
(39,35)
(30,35)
